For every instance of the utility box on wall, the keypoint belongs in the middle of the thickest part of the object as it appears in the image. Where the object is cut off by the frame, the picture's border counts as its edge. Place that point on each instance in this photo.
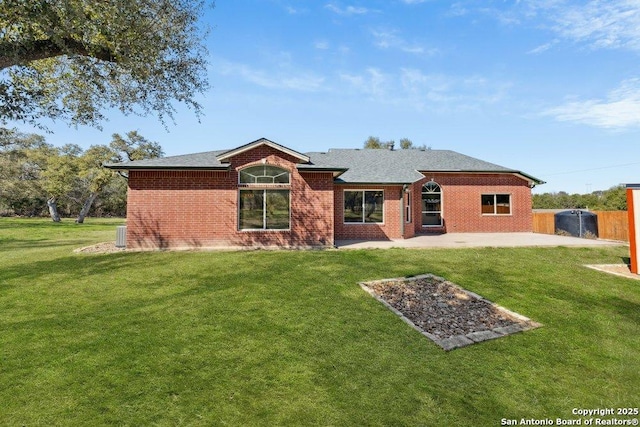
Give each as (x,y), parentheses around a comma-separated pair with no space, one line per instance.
(633,208)
(121,236)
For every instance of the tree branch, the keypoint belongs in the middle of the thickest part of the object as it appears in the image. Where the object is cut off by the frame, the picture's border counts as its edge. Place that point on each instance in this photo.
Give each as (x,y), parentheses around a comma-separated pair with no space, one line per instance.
(12,54)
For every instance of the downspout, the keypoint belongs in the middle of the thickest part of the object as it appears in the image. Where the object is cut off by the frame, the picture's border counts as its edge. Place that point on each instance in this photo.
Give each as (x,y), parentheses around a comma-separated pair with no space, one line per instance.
(402,225)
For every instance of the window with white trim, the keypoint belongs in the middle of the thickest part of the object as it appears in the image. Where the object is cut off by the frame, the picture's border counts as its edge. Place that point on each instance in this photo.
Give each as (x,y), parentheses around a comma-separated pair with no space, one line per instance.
(363,206)
(261,206)
(431,205)
(496,204)
(264,174)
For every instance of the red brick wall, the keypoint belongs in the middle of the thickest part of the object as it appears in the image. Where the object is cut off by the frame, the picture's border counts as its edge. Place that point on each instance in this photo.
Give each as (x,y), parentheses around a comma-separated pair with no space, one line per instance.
(461,204)
(410,226)
(199,208)
(461,207)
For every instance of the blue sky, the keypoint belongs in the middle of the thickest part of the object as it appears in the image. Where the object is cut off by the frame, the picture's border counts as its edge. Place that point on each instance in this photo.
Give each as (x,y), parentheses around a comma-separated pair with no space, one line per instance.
(549,87)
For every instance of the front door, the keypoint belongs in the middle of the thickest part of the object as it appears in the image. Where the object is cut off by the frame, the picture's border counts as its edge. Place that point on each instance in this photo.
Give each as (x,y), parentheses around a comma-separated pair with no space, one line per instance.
(431,205)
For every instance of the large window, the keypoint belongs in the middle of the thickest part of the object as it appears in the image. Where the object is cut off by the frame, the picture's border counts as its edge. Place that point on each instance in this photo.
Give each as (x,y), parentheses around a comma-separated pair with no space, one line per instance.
(363,206)
(496,204)
(263,207)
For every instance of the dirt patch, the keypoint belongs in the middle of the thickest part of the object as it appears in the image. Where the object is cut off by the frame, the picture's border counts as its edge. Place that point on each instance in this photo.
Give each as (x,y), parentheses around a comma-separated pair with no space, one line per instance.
(444,312)
(100,248)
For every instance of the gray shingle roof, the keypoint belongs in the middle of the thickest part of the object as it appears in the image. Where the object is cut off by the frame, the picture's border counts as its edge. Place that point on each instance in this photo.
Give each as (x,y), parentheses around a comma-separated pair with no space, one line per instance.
(399,166)
(370,166)
(206,160)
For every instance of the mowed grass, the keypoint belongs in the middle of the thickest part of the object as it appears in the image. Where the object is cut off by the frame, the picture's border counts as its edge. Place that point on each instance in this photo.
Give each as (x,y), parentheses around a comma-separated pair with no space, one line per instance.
(289,338)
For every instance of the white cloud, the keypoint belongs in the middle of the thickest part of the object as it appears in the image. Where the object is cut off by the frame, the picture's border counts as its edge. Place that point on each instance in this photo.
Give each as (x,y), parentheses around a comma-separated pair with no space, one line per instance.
(279,79)
(321,45)
(458,9)
(384,39)
(409,88)
(542,48)
(413,89)
(344,50)
(597,24)
(440,91)
(620,110)
(347,11)
(373,83)
(305,83)
(389,39)
(600,24)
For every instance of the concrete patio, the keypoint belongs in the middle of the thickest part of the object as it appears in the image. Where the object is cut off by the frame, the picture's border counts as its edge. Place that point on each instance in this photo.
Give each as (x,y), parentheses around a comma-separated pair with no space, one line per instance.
(471,240)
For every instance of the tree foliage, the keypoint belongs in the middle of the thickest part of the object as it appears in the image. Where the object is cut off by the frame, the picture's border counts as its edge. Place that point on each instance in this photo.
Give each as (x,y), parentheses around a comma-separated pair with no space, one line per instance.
(134,147)
(373,142)
(72,59)
(613,199)
(36,176)
(20,167)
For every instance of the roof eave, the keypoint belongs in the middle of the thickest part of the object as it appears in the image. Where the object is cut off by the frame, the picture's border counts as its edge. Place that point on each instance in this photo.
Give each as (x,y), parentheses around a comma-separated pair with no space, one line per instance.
(371,183)
(336,171)
(532,180)
(161,168)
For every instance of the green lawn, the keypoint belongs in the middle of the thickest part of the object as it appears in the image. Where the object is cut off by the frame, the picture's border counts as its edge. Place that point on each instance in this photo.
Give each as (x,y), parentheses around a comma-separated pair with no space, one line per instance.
(289,338)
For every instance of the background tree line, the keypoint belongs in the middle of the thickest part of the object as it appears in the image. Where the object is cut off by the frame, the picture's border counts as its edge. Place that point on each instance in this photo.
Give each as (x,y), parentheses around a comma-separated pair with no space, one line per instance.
(37,178)
(613,199)
(374,142)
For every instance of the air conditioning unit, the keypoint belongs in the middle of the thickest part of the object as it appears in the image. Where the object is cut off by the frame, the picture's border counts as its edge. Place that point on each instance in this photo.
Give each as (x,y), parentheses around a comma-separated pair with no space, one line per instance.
(121,236)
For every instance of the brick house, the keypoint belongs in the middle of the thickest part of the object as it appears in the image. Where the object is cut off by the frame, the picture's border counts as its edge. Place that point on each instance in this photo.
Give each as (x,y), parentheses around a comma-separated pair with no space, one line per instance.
(265,194)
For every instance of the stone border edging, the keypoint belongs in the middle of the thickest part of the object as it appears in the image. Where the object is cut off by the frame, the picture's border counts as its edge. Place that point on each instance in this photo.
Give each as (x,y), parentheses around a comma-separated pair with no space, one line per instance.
(457,341)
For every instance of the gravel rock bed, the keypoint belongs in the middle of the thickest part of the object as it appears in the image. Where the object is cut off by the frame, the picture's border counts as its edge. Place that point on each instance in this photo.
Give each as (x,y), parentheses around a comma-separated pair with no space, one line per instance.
(449,315)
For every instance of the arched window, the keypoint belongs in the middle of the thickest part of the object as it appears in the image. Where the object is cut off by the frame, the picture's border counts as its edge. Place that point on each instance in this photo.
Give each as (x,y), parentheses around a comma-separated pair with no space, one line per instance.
(431,187)
(264,174)
(260,205)
(431,205)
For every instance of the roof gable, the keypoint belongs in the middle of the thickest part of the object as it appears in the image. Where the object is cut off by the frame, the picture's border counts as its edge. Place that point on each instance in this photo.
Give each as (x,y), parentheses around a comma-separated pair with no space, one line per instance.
(225,156)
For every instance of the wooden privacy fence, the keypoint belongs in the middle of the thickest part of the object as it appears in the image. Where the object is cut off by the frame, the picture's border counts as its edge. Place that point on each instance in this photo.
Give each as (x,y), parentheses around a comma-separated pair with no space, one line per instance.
(544,222)
(612,225)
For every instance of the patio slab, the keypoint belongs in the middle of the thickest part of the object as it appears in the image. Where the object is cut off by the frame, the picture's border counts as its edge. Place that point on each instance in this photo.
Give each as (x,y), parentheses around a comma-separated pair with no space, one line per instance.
(471,240)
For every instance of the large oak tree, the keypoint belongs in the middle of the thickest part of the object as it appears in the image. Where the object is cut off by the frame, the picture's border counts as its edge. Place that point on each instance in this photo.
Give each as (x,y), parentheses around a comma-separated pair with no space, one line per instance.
(73,59)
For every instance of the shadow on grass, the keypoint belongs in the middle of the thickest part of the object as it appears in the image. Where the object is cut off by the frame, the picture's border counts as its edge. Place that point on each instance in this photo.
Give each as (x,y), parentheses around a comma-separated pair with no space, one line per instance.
(77,267)
(623,307)
(120,302)
(7,245)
